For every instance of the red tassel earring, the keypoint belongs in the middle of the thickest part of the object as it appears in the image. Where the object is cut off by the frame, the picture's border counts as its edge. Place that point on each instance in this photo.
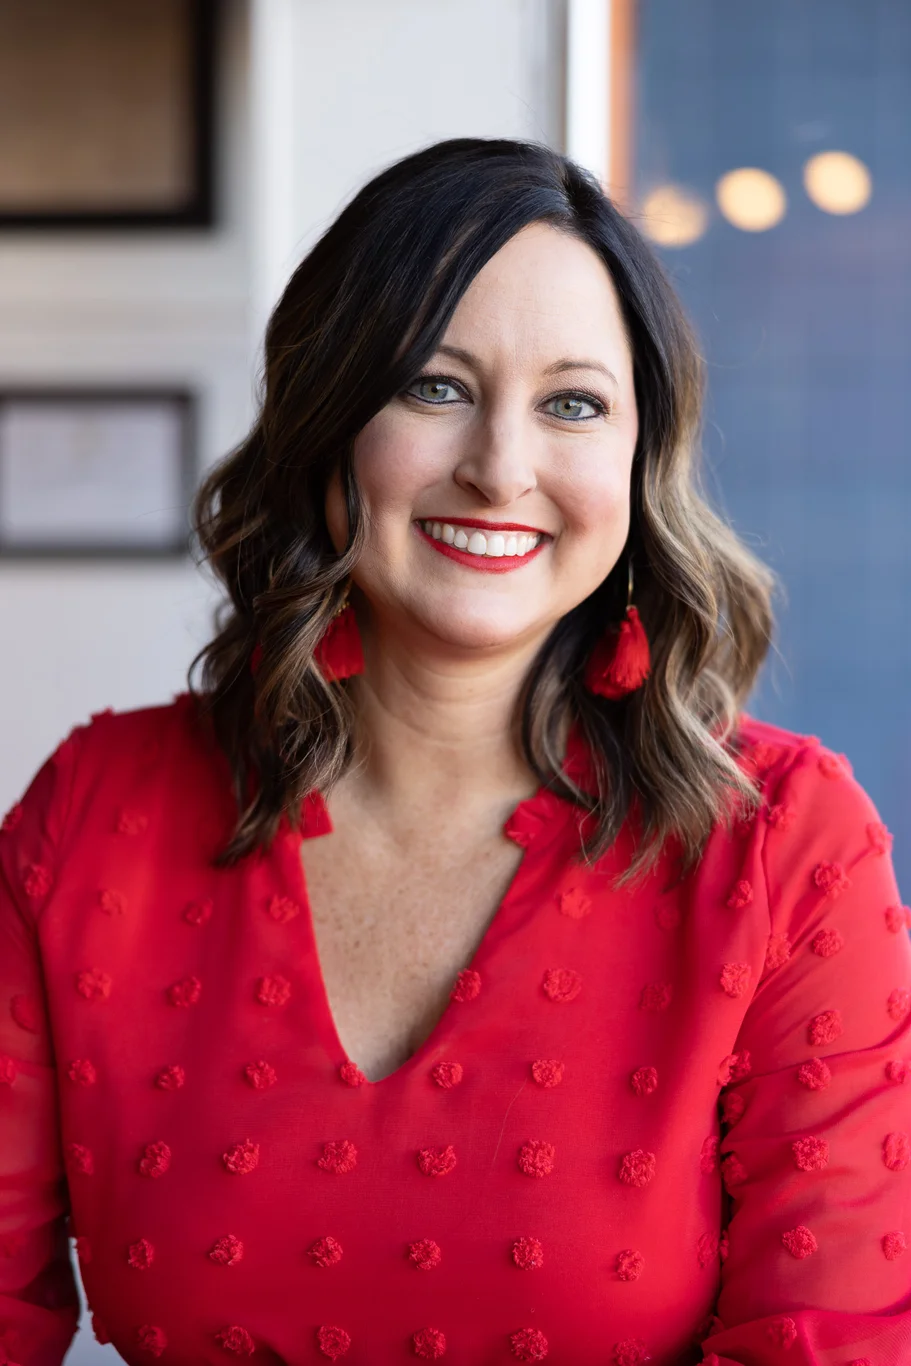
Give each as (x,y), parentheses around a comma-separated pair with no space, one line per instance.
(338,652)
(620,662)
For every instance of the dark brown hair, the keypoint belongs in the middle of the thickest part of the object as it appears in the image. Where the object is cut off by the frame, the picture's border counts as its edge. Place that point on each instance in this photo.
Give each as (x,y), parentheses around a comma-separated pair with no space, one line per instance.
(360,316)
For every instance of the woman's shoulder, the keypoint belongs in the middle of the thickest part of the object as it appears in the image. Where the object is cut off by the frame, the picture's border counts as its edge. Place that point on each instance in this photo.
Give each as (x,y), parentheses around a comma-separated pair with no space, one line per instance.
(763,744)
(770,754)
(139,748)
(807,786)
(114,747)
(150,724)
(108,753)
(95,783)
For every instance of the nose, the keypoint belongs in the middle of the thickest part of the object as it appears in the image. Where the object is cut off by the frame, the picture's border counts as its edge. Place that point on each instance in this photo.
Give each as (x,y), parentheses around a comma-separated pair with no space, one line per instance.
(498,465)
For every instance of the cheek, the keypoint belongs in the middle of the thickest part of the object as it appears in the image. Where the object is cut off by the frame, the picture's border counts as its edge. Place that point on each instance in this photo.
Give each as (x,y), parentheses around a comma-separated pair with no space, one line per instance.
(390,470)
(595,498)
(394,468)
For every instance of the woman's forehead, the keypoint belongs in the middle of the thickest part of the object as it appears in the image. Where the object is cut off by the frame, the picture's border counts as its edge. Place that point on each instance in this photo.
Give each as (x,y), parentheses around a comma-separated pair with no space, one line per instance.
(544,301)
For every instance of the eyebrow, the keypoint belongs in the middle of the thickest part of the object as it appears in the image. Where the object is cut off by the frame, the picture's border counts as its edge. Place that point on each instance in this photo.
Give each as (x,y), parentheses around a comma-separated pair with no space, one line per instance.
(566,363)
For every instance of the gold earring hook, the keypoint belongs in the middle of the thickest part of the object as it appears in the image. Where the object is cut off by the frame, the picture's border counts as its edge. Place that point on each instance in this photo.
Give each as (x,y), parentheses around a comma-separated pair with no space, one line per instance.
(629,598)
(344,602)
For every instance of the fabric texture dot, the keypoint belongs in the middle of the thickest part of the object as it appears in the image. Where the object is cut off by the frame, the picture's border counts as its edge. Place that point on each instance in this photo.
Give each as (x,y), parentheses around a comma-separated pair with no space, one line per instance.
(242,1158)
(81,1071)
(326,1251)
(447,1074)
(425,1254)
(150,1338)
(467,985)
(547,1071)
(562,984)
(273,991)
(227,1251)
(236,1340)
(198,912)
(155,1160)
(112,902)
(536,1158)
(339,1156)
(260,1075)
(141,1254)
(637,1168)
(171,1078)
(437,1161)
(630,1264)
(799,1241)
(94,984)
(529,1344)
(429,1343)
(333,1341)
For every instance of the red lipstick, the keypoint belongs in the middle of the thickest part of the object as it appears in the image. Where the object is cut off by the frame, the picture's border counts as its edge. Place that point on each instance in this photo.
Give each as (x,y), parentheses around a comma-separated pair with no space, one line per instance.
(493,526)
(489,564)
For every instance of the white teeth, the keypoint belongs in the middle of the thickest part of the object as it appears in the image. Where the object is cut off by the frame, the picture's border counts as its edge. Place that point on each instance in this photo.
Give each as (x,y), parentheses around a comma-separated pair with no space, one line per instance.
(493,546)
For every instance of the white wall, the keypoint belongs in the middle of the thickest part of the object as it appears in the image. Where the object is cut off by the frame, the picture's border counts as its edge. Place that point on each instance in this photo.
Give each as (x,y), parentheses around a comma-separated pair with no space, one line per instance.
(395,75)
(316,97)
(129,307)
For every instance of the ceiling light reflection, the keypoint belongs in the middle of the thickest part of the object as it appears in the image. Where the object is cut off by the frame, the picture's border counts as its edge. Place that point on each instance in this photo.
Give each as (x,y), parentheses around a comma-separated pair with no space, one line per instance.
(674,215)
(837,182)
(751,199)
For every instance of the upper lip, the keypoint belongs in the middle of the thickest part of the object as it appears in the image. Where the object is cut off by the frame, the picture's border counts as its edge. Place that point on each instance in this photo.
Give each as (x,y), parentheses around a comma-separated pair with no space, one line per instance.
(493,526)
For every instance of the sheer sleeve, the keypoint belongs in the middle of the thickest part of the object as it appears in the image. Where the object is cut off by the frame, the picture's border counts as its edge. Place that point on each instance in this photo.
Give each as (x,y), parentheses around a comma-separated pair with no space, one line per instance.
(816,1133)
(39,1303)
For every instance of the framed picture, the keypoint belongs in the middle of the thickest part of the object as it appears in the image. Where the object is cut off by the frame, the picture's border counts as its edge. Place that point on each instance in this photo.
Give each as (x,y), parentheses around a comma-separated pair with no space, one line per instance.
(96,473)
(106,113)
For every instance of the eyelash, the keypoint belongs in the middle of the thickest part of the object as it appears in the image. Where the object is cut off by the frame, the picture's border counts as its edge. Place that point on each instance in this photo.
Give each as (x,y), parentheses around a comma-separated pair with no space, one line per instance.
(604,409)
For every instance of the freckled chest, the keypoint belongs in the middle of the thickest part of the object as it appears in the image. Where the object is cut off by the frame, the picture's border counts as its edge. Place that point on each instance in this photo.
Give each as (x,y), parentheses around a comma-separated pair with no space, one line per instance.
(394,928)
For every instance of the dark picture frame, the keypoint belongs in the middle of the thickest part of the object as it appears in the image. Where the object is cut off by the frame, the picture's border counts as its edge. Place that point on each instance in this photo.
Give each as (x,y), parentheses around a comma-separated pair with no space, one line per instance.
(82,468)
(107,124)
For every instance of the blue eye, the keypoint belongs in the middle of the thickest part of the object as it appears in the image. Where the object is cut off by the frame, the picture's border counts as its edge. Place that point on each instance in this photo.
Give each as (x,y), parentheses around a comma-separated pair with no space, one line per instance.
(442,382)
(436,380)
(579,398)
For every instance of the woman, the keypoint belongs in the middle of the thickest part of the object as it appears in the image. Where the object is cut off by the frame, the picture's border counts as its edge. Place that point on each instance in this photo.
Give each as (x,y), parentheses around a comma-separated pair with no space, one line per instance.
(461,971)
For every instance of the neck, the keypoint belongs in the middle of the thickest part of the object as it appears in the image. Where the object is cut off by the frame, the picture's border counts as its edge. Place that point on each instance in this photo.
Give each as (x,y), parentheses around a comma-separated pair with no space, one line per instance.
(435,728)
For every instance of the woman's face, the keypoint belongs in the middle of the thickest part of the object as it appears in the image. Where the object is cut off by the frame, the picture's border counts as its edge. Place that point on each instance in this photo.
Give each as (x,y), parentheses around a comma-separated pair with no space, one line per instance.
(497,487)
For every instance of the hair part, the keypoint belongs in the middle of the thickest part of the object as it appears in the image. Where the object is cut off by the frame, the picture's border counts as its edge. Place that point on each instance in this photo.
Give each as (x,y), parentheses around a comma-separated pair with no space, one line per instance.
(360,316)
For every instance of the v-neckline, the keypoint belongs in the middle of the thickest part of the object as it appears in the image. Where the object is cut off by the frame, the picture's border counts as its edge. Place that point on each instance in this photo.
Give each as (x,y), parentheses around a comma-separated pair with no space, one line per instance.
(533,821)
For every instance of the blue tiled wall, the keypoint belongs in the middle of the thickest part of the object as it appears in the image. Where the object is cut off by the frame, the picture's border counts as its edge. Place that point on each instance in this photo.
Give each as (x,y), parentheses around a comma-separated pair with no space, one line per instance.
(807,331)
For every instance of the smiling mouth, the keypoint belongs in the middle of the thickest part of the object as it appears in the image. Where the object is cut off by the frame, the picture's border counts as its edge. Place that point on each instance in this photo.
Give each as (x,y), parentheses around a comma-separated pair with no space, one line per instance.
(489,544)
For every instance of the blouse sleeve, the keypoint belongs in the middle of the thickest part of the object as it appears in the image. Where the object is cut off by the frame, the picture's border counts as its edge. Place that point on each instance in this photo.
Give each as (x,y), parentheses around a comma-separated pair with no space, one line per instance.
(39,1302)
(816,1134)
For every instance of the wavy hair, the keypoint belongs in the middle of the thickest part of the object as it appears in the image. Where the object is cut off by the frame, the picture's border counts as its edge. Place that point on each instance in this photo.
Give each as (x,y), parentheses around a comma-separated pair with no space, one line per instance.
(360,316)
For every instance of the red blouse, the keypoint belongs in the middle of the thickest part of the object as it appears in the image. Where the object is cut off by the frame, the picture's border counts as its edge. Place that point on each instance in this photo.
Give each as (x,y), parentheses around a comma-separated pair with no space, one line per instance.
(650,1124)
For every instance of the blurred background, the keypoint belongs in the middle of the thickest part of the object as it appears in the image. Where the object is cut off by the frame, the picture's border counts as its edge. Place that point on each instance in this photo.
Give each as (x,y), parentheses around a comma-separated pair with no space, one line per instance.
(165,163)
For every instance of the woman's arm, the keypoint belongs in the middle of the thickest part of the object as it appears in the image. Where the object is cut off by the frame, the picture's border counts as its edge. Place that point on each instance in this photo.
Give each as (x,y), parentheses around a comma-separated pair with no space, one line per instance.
(816,1156)
(39,1303)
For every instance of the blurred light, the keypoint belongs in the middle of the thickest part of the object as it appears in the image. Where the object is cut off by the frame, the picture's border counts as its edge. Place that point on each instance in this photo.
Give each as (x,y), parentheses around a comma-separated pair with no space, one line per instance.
(837,182)
(674,216)
(751,199)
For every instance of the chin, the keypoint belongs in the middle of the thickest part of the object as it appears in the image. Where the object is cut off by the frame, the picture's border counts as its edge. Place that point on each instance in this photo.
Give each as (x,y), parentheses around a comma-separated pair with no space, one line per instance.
(484,632)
